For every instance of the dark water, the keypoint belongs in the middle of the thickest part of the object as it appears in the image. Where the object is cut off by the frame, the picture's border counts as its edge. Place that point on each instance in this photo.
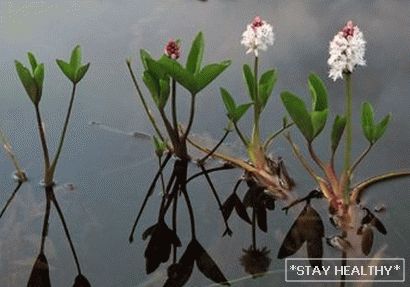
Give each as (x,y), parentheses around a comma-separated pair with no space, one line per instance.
(111,172)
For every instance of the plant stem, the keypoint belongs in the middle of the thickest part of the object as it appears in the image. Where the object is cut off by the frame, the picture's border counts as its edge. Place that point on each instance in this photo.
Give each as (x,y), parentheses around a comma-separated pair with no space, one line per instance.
(202,160)
(344,263)
(11,198)
(253,226)
(174,225)
(256,106)
(359,159)
(161,175)
(149,193)
(211,185)
(314,156)
(43,140)
(274,135)
(190,211)
(241,136)
(223,167)
(191,117)
(360,187)
(62,137)
(45,222)
(174,105)
(348,144)
(144,104)
(170,130)
(67,233)
(348,107)
(300,157)
(9,150)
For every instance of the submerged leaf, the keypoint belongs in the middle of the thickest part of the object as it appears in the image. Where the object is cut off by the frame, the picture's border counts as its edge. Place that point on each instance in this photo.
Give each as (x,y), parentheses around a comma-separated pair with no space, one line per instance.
(261,216)
(148,231)
(241,210)
(208,267)
(159,247)
(307,227)
(315,250)
(40,276)
(81,281)
(371,219)
(179,273)
(367,239)
(228,206)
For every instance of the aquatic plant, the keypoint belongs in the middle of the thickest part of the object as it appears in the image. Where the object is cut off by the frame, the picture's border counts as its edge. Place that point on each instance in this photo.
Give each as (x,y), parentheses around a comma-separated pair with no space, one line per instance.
(19,174)
(346,53)
(33,82)
(270,173)
(161,77)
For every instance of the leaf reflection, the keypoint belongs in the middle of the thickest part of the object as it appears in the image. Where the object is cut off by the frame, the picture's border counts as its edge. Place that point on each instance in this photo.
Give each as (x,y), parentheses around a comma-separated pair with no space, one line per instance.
(307,227)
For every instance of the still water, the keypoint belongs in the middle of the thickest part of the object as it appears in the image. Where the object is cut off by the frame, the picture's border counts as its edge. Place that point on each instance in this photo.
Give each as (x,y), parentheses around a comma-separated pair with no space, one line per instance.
(103,175)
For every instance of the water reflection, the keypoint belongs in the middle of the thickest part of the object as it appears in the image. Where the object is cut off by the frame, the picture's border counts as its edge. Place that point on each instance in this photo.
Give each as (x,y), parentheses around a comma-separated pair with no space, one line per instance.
(40,273)
(163,239)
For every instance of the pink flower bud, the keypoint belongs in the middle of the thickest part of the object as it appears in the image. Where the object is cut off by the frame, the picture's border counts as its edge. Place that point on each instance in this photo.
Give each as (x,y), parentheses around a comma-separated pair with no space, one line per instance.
(172,49)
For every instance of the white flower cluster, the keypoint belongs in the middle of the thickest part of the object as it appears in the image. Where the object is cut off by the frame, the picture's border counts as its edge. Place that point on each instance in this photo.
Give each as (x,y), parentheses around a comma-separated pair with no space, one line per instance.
(257,36)
(346,51)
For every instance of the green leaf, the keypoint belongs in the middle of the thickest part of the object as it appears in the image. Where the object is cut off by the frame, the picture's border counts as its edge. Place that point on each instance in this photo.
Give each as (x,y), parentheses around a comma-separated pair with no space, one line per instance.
(156,68)
(318,119)
(75,59)
(368,121)
(337,131)
(66,69)
(164,91)
(380,128)
(153,86)
(229,102)
(250,81)
(266,84)
(240,111)
(318,92)
(81,72)
(299,114)
(181,75)
(209,73)
(28,82)
(39,76)
(159,146)
(195,55)
(32,60)
(144,55)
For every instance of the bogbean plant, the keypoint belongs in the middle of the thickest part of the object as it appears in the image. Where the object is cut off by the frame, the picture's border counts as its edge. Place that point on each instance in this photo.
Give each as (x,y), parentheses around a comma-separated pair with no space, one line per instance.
(33,82)
(161,77)
(263,174)
(346,53)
